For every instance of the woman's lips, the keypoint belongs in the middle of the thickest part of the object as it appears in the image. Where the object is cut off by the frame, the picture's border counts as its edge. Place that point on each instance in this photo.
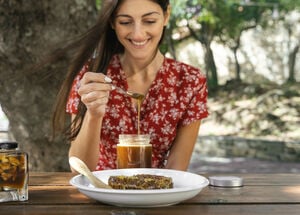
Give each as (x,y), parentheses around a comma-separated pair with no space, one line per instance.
(139,43)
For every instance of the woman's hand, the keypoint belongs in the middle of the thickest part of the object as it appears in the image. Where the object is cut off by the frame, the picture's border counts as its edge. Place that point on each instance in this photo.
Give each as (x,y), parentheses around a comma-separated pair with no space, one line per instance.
(94,91)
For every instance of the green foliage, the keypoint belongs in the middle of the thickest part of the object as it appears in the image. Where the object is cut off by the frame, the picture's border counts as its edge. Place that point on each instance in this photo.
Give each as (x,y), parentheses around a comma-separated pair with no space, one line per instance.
(289,4)
(98,4)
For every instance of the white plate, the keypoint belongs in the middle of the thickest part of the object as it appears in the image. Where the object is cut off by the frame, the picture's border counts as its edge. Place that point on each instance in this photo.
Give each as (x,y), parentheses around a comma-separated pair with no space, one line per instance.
(186,186)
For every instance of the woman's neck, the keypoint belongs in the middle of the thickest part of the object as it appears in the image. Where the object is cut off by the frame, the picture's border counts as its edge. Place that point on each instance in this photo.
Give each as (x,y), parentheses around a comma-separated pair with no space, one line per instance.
(133,67)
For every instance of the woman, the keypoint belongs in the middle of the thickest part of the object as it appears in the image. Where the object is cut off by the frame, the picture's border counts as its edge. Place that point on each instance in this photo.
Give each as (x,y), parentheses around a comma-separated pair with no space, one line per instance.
(126,39)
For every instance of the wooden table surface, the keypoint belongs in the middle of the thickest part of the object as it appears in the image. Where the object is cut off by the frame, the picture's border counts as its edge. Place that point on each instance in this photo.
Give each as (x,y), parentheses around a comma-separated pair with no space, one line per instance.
(274,194)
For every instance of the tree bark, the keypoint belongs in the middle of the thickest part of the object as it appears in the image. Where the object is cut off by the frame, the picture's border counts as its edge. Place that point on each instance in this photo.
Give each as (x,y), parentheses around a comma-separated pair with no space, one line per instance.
(211,69)
(237,64)
(29,29)
(210,66)
(292,62)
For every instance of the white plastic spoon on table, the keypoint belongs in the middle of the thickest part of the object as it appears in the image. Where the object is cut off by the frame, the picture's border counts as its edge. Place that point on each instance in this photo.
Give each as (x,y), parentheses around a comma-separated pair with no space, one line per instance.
(82,168)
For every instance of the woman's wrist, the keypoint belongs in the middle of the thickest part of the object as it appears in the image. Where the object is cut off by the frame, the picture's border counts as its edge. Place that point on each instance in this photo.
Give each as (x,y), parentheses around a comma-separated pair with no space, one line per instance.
(91,118)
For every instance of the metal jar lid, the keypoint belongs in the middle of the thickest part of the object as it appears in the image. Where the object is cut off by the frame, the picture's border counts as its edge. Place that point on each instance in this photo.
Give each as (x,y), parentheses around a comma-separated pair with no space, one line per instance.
(225,181)
(7,145)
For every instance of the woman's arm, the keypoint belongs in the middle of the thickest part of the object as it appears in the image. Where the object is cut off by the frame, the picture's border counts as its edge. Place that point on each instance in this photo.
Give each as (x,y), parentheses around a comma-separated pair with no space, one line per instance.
(86,144)
(94,91)
(183,146)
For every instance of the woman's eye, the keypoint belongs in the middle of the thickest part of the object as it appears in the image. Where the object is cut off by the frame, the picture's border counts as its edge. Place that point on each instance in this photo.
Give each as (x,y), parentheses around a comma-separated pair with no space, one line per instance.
(150,21)
(124,23)
(129,22)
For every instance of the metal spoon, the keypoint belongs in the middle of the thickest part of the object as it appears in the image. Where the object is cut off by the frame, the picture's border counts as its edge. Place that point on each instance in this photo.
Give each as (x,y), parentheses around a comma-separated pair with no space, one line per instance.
(94,64)
(81,167)
(133,95)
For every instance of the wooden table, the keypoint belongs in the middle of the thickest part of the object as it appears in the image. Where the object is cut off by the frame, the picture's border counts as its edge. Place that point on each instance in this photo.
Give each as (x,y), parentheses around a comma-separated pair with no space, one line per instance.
(275,194)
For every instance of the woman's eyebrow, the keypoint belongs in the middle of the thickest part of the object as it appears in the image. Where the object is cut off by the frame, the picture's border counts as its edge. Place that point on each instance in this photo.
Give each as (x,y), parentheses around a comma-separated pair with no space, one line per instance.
(151,13)
(144,15)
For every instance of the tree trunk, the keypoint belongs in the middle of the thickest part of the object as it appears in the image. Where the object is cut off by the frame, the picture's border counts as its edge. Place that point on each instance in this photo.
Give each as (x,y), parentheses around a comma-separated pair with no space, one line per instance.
(211,69)
(235,50)
(205,38)
(30,29)
(292,62)
(170,42)
(237,66)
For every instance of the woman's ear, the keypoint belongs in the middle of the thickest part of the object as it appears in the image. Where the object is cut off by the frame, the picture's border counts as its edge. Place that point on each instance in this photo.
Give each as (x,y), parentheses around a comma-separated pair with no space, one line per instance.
(167,15)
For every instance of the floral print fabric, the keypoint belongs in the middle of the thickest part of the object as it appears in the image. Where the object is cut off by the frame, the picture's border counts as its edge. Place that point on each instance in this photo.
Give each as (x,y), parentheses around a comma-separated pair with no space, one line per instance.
(177,97)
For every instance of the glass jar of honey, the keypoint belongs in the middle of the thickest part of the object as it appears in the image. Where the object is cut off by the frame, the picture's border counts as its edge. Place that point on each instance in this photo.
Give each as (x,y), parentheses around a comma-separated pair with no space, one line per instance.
(134,151)
(13,173)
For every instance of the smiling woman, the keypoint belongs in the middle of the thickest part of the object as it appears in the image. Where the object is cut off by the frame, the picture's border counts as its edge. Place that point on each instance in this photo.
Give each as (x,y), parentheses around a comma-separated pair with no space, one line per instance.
(122,52)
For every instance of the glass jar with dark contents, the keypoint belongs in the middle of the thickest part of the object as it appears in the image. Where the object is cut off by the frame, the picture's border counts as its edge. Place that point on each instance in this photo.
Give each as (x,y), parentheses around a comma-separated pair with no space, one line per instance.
(134,151)
(13,173)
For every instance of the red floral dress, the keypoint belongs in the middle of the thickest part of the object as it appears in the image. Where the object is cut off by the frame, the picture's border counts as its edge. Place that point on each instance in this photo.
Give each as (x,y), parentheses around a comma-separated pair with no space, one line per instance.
(177,97)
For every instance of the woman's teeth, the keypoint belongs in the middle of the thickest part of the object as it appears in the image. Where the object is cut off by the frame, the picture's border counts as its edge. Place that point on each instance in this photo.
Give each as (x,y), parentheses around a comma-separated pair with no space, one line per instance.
(139,43)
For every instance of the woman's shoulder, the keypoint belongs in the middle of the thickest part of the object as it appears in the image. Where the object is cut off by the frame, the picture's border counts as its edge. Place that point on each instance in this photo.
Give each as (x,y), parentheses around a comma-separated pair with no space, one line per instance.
(183,68)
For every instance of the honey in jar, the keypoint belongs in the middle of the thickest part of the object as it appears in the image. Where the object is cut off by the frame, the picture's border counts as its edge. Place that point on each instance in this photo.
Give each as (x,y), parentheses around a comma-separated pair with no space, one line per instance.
(134,151)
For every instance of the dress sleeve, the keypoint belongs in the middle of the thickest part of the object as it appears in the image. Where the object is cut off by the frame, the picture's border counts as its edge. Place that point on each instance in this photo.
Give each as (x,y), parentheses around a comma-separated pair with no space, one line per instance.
(197,108)
(74,97)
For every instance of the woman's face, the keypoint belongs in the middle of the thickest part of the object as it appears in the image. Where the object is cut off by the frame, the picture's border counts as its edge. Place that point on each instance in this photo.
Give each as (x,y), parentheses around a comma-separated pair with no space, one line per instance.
(139,26)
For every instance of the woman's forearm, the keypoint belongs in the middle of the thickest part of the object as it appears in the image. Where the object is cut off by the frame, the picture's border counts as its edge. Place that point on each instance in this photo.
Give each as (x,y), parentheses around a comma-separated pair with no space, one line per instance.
(182,149)
(86,144)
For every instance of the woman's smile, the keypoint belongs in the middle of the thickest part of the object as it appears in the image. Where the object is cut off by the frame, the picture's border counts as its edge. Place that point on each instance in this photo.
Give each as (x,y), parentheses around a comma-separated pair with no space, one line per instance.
(139,44)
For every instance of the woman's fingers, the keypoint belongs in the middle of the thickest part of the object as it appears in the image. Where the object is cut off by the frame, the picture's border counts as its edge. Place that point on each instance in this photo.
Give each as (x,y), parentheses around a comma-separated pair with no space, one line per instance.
(97,103)
(94,91)
(94,77)
(93,82)
(94,95)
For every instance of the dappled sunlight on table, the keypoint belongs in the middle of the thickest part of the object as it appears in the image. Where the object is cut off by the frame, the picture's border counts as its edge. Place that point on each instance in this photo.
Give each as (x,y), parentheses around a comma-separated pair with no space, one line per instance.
(293,190)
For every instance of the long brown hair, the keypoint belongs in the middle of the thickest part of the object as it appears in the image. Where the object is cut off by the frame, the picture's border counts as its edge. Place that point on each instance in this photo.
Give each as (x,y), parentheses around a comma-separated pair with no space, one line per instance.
(100,37)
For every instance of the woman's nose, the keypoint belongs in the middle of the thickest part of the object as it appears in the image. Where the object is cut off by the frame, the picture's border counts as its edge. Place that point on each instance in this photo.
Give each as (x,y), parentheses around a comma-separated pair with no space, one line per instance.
(138,32)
